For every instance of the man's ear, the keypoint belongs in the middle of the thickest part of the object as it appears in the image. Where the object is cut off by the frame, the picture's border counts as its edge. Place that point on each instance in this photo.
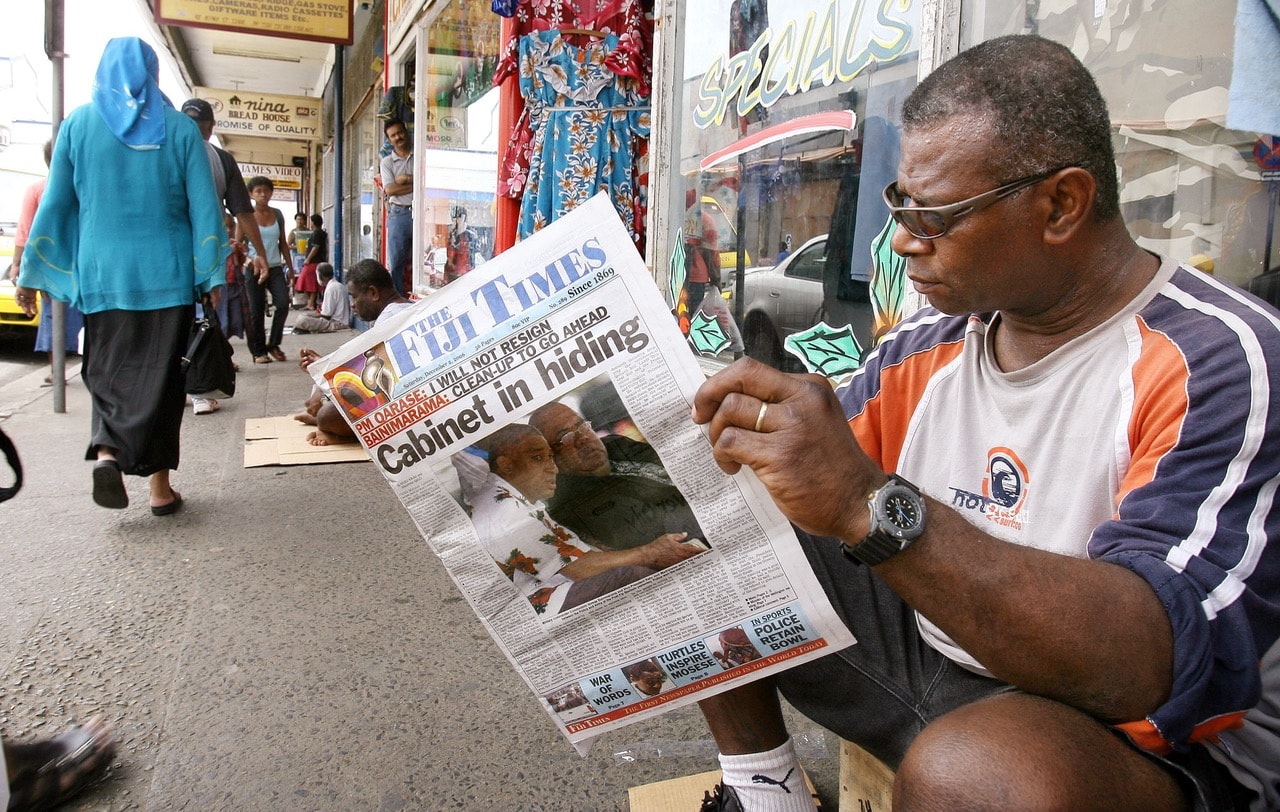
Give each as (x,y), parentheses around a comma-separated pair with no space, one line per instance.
(1071,197)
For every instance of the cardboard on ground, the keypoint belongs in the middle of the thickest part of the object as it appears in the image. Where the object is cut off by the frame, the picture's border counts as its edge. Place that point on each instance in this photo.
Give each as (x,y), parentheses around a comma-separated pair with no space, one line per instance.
(283,441)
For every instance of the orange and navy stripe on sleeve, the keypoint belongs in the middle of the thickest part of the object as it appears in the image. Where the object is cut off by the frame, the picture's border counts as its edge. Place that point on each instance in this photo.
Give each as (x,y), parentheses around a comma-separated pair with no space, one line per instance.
(1198,435)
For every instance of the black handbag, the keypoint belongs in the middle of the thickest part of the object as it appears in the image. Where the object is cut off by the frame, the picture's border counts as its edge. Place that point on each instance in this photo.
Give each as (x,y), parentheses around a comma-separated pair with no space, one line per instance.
(207,362)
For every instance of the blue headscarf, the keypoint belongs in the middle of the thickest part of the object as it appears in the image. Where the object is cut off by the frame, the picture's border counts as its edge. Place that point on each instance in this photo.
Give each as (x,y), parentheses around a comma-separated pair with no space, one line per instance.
(126,93)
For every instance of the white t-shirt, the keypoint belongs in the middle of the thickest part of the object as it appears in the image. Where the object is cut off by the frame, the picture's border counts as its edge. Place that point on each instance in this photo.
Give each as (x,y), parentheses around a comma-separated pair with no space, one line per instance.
(394,165)
(336,303)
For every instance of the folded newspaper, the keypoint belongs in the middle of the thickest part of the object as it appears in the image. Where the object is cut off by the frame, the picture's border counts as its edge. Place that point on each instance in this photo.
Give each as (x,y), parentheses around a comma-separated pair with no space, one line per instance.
(534,418)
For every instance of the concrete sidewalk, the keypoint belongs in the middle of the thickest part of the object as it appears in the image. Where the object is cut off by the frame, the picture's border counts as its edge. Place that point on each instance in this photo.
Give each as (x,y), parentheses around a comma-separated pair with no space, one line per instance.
(287,641)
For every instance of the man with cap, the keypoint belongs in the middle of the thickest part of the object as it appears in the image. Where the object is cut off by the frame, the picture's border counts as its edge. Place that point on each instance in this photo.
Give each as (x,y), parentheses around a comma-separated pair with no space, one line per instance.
(234,197)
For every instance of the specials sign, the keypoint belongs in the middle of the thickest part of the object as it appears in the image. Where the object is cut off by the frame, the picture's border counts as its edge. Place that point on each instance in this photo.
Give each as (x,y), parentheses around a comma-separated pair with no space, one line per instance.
(312,20)
(266,115)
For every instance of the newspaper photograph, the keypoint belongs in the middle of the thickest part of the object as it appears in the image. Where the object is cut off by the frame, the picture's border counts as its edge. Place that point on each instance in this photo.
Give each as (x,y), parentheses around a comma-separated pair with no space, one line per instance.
(533,417)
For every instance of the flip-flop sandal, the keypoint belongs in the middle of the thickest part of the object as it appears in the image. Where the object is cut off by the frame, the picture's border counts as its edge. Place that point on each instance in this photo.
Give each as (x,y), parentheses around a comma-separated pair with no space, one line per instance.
(49,773)
(108,485)
(169,509)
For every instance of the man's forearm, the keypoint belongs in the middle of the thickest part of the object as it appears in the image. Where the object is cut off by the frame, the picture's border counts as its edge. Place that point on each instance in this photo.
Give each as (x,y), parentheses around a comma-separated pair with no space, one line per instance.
(15,267)
(249,228)
(1090,634)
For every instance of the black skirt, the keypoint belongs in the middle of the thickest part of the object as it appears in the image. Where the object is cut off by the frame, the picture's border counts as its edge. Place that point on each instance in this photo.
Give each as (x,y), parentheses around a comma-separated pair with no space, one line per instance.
(132,370)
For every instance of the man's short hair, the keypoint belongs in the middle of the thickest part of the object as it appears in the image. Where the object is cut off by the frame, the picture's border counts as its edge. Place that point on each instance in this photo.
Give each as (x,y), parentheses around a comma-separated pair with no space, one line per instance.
(369,273)
(259,180)
(317,220)
(325,270)
(1044,107)
(502,441)
(391,122)
(202,109)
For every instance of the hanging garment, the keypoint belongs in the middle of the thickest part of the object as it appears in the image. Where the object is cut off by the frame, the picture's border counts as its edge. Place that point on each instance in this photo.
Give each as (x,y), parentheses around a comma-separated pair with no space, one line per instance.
(626,19)
(586,120)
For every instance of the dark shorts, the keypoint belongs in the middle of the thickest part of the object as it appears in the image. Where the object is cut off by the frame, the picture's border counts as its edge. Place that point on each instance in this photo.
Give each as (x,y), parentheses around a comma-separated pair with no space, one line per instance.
(883,691)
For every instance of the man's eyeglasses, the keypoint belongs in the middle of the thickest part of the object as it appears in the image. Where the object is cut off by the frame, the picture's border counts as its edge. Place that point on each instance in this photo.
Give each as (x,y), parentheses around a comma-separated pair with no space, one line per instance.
(931,222)
(581,429)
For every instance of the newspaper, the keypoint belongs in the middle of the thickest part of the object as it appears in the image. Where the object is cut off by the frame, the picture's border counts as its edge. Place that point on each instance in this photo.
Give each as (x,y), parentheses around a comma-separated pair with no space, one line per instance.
(442,392)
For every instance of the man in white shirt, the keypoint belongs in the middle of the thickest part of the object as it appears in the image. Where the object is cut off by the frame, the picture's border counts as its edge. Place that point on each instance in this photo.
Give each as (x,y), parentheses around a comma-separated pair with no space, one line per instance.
(371,295)
(397,186)
(335,306)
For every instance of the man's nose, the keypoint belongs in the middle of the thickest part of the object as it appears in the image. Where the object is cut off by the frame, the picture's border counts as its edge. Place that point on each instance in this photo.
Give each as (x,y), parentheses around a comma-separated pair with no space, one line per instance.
(905,244)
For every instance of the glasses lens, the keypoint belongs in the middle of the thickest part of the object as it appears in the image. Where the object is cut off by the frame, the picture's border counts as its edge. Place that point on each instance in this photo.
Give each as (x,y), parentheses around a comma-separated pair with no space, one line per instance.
(569,436)
(922,222)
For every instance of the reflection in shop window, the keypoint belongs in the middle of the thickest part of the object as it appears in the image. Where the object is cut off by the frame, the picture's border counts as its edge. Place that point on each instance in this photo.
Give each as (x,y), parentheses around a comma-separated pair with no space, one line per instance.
(459,118)
(1189,188)
(788,130)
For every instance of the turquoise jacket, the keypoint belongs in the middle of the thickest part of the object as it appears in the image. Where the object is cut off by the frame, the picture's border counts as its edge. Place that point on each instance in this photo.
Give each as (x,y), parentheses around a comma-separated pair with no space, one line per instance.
(121,228)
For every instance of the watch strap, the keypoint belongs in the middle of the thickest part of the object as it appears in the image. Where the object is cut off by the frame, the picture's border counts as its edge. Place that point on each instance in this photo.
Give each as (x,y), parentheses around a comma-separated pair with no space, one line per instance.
(876,548)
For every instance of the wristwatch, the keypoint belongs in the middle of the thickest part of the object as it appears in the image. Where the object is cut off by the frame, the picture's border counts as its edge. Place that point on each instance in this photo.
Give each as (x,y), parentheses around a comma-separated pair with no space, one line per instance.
(897,519)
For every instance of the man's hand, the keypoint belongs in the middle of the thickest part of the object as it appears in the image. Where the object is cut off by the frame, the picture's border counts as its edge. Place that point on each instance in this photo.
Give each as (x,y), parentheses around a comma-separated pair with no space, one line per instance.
(666,550)
(260,268)
(307,357)
(26,299)
(791,431)
(660,553)
(215,297)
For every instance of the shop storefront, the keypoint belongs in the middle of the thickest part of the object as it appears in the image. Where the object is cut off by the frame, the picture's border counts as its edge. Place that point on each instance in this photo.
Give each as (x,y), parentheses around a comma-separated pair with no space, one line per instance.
(440,84)
(747,142)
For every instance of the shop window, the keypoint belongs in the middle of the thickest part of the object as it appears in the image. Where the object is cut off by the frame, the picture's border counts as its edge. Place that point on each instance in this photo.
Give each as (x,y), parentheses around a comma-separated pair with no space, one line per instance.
(458,114)
(368,131)
(787,131)
(1189,187)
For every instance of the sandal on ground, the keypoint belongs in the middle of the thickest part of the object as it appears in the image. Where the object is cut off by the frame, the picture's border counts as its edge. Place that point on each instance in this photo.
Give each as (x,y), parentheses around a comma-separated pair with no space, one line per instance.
(278,354)
(50,772)
(262,359)
(170,508)
(108,485)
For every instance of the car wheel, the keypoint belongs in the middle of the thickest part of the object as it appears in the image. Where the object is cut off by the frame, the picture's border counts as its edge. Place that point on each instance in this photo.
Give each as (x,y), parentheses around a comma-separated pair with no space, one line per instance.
(761,342)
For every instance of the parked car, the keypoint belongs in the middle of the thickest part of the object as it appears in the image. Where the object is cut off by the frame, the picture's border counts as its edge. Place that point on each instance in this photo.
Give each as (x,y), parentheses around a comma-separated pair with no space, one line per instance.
(786,298)
(11,316)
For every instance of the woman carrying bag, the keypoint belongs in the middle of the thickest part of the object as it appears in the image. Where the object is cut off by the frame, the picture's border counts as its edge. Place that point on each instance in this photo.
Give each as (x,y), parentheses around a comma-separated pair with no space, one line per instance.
(125,165)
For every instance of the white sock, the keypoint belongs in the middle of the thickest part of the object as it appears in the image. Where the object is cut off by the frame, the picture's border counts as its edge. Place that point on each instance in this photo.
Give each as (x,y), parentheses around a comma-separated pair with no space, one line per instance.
(768,782)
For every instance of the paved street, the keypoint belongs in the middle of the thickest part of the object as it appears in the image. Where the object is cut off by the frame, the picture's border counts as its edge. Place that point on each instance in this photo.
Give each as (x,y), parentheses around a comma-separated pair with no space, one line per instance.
(286,642)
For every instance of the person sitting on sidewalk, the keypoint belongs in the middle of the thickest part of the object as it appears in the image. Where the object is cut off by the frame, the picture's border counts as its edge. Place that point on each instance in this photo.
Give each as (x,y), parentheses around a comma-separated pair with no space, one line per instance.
(335,306)
(373,297)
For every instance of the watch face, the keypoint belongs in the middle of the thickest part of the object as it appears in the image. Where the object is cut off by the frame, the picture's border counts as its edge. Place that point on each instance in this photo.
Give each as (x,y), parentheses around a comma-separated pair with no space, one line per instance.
(902,511)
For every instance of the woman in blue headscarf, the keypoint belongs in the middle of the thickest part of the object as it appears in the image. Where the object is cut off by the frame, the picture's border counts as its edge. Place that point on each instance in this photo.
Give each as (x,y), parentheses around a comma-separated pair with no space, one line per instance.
(129,231)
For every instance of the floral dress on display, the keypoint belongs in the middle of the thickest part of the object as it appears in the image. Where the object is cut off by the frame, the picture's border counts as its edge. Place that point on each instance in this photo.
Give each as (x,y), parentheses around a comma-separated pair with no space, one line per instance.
(632,57)
(588,122)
